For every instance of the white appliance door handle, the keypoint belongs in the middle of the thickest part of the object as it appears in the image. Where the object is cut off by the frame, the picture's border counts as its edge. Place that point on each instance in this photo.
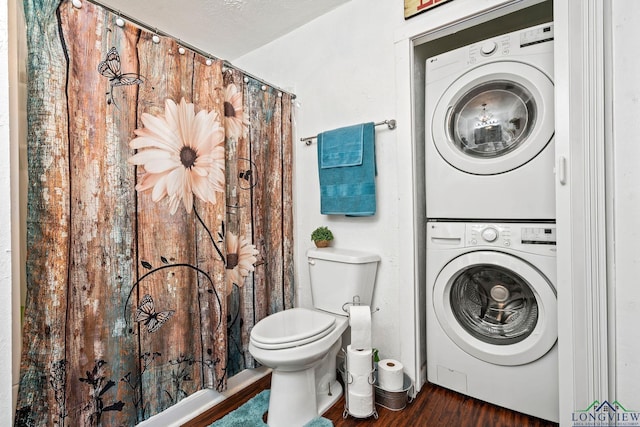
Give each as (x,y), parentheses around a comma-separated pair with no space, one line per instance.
(562,170)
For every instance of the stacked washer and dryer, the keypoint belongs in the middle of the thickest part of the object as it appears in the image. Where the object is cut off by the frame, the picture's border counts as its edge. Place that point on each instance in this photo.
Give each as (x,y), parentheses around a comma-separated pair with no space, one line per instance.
(491,236)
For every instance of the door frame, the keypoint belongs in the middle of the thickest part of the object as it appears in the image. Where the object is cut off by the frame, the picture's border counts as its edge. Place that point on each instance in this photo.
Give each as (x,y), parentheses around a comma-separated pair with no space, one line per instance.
(582,203)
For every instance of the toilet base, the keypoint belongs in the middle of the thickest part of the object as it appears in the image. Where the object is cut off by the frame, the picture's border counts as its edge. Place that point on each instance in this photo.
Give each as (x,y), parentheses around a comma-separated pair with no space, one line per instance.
(297,397)
(290,403)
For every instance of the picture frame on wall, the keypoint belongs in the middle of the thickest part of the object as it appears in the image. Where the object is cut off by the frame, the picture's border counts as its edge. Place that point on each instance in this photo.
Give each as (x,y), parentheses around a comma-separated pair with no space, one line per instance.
(414,7)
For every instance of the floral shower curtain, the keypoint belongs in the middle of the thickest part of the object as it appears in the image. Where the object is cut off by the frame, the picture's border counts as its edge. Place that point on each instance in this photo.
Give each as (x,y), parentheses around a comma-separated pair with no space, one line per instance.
(159,223)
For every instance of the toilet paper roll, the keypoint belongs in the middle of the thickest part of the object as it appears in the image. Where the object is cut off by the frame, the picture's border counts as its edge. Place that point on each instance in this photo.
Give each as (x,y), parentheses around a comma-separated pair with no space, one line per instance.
(360,405)
(360,323)
(359,368)
(360,384)
(390,375)
(359,360)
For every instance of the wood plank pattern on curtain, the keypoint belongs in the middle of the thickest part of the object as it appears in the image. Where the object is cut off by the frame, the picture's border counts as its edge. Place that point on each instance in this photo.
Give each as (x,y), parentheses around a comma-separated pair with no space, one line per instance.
(264,170)
(159,225)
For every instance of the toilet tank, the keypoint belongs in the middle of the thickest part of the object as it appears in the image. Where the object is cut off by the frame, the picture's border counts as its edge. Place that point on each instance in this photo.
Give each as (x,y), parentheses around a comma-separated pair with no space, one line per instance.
(340,275)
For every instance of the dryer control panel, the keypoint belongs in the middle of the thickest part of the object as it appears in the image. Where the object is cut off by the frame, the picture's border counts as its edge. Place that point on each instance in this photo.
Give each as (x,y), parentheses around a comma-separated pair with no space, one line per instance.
(509,44)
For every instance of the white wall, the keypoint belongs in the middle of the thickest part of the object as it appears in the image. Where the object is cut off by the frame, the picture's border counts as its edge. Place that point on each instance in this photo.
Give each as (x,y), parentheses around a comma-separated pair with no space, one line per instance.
(6,332)
(341,67)
(626,158)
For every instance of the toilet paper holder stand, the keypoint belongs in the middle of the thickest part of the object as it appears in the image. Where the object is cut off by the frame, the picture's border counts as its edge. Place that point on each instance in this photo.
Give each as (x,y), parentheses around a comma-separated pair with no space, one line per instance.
(356,301)
(348,379)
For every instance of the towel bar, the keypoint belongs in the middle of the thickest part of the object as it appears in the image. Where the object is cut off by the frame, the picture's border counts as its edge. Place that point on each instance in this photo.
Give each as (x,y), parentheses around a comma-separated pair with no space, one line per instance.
(391,123)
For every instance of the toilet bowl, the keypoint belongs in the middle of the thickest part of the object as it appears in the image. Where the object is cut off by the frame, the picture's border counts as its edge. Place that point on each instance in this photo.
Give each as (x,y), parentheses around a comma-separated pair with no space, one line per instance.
(303,382)
(301,344)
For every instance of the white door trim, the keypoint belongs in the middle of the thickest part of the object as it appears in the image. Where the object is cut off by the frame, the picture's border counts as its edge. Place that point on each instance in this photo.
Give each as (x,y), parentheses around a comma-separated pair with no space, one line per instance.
(581,202)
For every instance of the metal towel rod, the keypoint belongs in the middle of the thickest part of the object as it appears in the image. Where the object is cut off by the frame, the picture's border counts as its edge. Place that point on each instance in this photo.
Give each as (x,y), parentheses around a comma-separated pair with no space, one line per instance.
(391,123)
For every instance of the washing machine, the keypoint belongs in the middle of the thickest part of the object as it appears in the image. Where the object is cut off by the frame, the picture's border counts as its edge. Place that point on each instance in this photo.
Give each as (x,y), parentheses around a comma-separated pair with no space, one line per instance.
(489,151)
(492,313)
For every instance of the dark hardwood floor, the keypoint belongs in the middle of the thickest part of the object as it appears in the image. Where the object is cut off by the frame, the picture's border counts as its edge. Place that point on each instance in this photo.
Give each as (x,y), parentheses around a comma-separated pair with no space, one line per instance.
(433,407)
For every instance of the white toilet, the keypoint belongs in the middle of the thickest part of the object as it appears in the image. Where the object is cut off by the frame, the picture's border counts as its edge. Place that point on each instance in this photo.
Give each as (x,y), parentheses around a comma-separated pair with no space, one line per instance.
(301,344)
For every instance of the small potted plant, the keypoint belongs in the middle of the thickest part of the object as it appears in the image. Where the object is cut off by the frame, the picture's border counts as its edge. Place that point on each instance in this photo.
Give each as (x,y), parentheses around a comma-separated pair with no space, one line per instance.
(322,237)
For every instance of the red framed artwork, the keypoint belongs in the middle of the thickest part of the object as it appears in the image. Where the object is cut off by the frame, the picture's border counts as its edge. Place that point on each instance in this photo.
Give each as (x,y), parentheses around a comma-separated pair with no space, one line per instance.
(414,7)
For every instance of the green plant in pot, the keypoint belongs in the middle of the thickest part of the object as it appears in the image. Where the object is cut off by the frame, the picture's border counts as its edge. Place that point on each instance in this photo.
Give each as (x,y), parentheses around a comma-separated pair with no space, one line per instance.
(322,237)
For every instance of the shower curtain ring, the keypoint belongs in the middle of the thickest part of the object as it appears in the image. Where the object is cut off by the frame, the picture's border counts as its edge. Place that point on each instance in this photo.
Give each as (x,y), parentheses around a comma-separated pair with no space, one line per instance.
(119,20)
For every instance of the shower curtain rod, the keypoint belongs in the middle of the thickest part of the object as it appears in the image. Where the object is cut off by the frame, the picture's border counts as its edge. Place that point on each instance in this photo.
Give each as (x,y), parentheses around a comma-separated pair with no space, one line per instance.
(391,123)
(154,30)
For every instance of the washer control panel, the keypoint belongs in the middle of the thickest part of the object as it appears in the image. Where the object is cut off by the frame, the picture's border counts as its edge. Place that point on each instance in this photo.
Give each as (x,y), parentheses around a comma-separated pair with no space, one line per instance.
(535,238)
(538,238)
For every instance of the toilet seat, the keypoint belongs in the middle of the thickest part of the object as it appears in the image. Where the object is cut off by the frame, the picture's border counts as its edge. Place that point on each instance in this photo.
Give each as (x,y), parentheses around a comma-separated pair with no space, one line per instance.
(291,328)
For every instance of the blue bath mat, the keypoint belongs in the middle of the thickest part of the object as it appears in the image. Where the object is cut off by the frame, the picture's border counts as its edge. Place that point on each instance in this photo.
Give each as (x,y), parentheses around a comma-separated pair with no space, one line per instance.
(250,415)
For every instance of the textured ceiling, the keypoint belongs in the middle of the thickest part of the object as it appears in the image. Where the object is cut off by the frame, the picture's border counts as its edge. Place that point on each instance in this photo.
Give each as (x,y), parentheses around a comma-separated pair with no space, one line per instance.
(226,29)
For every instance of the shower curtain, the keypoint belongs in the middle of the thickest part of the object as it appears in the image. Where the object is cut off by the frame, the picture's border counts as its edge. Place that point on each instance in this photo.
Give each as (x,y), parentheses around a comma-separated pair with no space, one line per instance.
(159,221)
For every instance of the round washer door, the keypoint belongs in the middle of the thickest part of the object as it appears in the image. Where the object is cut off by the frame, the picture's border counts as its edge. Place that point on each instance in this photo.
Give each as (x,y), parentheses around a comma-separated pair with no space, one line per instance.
(496,307)
(494,118)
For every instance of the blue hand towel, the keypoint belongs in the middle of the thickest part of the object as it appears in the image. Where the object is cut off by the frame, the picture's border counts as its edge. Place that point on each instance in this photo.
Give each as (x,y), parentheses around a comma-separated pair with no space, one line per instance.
(347,171)
(341,147)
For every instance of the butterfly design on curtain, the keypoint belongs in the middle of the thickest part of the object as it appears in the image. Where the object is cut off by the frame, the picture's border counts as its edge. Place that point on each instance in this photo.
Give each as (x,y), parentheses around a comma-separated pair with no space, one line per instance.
(247,174)
(147,315)
(110,68)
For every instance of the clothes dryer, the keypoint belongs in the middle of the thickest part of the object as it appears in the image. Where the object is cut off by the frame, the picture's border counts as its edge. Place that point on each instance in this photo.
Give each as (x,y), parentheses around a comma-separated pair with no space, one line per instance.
(489,129)
(492,313)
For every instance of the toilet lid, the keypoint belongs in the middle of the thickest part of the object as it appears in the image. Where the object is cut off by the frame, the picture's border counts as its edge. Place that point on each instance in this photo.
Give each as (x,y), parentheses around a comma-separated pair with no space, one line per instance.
(291,328)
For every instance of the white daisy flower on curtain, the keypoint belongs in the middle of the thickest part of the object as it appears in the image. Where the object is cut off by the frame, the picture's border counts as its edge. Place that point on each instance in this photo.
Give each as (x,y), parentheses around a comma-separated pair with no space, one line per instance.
(241,257)
(235,118)
(182,154)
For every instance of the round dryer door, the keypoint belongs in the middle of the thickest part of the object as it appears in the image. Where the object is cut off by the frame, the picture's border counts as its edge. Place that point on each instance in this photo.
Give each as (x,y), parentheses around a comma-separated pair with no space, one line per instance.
(496,307)
(495,118)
